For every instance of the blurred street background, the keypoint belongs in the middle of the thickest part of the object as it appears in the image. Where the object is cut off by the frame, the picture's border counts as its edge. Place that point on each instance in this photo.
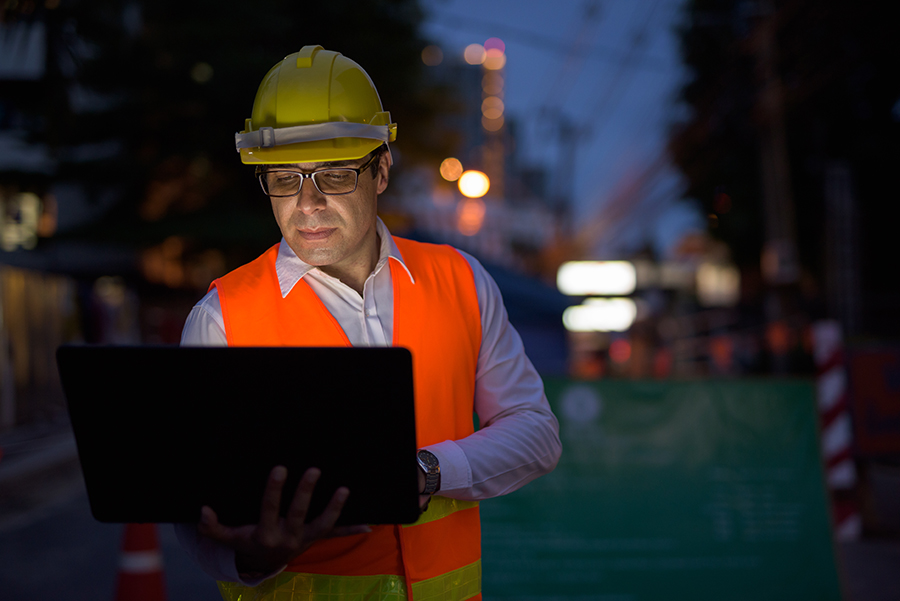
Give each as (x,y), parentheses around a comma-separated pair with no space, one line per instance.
(670,194)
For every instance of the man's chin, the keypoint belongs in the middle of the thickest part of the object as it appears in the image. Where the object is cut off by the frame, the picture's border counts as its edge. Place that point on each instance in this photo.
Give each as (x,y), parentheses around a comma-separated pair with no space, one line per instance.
(316,257)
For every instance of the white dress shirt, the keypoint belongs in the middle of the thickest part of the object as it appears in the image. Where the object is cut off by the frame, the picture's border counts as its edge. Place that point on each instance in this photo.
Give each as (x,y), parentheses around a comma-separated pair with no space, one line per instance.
(518,439)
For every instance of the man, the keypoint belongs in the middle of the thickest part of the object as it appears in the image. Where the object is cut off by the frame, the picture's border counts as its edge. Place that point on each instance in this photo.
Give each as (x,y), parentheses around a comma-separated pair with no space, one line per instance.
(318,136)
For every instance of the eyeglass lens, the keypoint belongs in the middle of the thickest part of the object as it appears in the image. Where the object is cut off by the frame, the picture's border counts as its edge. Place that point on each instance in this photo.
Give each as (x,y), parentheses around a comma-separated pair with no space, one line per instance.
(328,181)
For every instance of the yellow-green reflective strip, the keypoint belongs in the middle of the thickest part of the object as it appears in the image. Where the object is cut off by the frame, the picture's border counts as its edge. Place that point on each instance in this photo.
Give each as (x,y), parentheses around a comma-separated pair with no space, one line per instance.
(441,507)
(457,585)
(292,586)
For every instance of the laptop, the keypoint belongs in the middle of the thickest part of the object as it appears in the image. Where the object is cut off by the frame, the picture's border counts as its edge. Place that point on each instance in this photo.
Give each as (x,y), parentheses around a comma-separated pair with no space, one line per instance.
(163,430)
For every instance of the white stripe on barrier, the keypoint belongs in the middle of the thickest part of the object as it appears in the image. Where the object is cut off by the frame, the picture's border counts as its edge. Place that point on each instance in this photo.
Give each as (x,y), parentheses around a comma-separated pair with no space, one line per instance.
(842,475)
(140,562)
(832,386)
(837,436)
(850,528)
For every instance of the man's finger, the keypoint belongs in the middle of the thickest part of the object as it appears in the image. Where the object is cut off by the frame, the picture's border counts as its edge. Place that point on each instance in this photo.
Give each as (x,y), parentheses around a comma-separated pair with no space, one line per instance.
(324,524)
(296,514)
(271,501)
(210,527)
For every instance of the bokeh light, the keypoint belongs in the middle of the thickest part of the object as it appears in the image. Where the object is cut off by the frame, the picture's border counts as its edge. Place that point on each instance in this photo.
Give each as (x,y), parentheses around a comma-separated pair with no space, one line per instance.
(432,55)
(474,54)
(494,60)
(620,351)
(451,169)
(202,72)
(492,83)
(492,124)
(470,216)
(495,44)
(492,107)
(474,184)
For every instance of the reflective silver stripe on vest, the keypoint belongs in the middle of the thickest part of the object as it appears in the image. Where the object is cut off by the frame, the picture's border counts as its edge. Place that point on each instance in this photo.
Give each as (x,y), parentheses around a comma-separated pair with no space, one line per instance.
(269,137)
(458,585)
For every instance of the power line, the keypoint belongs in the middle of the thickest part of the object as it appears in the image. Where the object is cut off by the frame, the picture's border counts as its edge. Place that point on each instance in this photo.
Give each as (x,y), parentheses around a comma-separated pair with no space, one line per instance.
(568,74)
(625,203)
(624,67)
(527,37)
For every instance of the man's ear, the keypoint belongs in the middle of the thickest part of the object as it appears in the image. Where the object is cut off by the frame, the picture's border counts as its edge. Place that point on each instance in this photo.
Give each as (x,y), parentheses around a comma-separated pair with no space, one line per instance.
(383,174)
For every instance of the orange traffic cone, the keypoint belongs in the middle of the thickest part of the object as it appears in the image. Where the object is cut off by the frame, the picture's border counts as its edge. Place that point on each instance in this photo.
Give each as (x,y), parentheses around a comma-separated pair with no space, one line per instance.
(140,565)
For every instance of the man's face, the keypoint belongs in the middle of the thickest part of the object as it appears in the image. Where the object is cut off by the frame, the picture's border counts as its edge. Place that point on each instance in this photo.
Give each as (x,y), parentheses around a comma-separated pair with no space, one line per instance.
(335,233)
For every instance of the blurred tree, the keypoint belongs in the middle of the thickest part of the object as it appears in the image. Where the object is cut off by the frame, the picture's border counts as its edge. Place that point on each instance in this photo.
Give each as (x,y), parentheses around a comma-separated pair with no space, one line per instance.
(837,62)
(144,98)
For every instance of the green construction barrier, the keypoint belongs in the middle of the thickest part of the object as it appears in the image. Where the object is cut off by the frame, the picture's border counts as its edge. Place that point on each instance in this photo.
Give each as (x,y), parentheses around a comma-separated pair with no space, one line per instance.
(708,490)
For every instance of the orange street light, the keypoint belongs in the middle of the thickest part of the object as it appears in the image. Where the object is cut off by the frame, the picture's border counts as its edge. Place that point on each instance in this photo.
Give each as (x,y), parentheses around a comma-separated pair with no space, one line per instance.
(492,107)
(494,59)
(474,184)
(474,54)
(451,169)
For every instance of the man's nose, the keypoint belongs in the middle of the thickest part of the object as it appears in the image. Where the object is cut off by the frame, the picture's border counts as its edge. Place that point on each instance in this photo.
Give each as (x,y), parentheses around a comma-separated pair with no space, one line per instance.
(309,199)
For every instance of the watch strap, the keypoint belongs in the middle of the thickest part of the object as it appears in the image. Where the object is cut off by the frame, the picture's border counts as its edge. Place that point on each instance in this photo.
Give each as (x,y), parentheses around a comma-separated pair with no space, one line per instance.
(432,470)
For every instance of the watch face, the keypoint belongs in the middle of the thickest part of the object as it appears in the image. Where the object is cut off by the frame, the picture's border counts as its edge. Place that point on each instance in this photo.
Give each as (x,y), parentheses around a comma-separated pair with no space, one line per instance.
(428,460)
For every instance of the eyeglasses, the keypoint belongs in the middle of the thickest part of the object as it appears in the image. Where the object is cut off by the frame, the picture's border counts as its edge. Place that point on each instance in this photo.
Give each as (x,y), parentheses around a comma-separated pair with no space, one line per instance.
(343,180)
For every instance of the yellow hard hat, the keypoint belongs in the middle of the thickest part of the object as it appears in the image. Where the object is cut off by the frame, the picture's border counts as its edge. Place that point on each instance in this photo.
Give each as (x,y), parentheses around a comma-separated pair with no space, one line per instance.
(314,106)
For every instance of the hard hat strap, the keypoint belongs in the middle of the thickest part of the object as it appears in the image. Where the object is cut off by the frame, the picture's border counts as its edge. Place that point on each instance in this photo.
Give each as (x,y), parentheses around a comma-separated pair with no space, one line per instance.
(268,137)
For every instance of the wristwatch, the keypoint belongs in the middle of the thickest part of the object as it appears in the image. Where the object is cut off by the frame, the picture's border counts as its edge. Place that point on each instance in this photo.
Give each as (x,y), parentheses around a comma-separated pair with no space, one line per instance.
(432,469)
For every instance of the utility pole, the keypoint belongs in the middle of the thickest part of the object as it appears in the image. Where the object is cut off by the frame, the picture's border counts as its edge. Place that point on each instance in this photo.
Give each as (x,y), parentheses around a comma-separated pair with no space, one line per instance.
(780,264)
(563,178)
(842,281)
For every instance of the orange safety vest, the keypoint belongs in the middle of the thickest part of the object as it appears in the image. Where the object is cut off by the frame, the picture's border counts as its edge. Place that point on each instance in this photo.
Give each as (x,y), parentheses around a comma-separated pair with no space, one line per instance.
(439,557)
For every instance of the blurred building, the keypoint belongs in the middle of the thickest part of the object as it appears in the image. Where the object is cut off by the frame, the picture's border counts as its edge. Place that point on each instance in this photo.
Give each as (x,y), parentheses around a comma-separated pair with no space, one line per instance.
(52,289)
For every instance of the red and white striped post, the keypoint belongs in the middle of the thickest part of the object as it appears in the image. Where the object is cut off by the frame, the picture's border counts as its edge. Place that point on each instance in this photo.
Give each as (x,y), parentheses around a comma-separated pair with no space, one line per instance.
(140,565)
(836,428)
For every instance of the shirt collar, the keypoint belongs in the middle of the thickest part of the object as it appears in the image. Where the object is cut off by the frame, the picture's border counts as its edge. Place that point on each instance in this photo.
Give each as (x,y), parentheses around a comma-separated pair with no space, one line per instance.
(290,269)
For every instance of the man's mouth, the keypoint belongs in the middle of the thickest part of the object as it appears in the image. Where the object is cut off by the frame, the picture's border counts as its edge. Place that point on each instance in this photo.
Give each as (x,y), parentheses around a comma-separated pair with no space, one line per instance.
(316,233)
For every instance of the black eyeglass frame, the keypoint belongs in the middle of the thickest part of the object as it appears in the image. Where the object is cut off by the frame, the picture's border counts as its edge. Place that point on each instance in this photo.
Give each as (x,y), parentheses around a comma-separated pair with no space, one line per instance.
(303,176)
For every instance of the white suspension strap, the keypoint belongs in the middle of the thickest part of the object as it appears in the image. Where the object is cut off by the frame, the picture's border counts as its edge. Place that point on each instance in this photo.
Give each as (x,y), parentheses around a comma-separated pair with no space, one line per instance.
(269,137)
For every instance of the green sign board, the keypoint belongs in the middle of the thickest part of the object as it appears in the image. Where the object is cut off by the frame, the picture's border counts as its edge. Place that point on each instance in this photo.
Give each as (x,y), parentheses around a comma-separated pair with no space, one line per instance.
(707,490)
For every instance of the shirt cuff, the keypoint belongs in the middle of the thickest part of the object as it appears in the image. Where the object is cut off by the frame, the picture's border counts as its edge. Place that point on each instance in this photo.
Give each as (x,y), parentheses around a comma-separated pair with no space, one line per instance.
(251,582)
(213,558)
(455,471)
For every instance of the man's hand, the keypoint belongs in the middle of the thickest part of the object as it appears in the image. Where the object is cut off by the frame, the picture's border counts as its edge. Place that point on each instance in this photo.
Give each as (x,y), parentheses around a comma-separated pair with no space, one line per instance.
(268,546)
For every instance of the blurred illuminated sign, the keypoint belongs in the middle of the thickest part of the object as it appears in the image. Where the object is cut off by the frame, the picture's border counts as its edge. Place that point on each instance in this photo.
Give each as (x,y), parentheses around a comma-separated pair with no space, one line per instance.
(580,278)
(601,315)
(19,219)
(718,285)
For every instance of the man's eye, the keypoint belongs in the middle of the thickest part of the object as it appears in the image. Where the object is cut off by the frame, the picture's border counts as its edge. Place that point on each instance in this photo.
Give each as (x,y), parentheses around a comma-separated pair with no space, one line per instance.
(286,178)
(335,176)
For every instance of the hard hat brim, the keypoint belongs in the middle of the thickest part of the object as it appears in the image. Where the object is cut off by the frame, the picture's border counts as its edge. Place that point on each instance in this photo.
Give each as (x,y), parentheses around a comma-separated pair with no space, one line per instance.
(340,149)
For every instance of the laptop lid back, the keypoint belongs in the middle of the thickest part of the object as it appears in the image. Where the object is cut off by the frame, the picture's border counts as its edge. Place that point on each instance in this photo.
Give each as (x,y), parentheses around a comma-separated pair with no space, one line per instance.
(163,430)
